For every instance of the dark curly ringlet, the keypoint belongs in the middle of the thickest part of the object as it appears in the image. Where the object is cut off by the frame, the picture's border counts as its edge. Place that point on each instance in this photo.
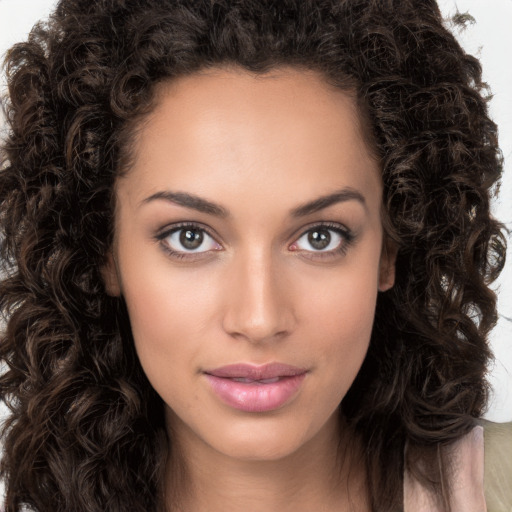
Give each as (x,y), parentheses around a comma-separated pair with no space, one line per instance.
(86,430)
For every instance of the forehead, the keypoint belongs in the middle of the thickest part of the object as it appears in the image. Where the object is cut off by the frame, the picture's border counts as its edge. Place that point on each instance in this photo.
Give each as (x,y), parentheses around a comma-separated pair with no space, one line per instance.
(226,130)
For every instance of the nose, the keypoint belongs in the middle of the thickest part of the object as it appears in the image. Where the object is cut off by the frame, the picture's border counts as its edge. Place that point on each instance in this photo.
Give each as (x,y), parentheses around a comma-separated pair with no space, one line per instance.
(259,304)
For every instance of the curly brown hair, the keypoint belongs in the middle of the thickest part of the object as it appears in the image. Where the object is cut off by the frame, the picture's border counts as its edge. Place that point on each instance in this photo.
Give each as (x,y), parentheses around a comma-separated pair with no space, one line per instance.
(86,431)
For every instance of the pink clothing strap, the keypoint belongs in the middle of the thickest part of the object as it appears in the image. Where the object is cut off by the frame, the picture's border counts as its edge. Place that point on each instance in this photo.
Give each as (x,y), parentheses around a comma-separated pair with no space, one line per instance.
(468,479)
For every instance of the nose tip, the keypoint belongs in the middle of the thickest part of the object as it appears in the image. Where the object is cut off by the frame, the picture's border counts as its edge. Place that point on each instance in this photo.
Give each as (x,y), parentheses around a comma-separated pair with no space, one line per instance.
(259,304)
(256,331)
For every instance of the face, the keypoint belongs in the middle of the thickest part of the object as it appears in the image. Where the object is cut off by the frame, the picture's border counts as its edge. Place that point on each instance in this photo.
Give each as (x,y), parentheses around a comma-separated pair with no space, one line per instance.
(248,249)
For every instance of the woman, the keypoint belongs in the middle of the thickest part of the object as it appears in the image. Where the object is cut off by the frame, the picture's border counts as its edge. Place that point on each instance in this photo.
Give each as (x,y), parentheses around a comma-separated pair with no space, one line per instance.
(248,248)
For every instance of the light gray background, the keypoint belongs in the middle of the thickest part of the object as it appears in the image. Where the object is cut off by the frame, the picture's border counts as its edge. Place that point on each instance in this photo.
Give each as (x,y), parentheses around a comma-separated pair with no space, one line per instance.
(491,40)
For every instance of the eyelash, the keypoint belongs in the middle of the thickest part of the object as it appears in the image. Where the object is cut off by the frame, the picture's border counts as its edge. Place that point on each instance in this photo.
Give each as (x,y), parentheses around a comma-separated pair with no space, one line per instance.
(347,235)
(180,255)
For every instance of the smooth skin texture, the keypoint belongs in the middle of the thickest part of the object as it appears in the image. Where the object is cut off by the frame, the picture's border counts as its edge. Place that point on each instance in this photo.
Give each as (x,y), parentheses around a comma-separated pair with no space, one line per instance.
(253,282)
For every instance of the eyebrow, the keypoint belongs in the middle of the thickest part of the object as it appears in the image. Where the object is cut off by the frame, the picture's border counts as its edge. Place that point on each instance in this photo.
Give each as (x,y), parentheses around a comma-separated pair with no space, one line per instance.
(340,196)
(189,201)
(204,206)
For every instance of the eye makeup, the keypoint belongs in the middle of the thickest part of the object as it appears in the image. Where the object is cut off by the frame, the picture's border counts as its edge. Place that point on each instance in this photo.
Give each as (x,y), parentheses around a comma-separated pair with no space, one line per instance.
(193,231)
(334,237)
(320,234)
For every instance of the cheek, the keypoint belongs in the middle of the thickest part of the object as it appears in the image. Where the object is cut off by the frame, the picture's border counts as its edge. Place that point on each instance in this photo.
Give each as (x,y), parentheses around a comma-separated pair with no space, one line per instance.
(339,321)
(168,322)
(169,313)
(343,332)
(342,304)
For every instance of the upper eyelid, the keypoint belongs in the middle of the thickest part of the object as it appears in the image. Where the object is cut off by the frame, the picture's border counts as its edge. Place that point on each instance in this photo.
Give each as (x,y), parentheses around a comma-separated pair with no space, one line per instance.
(327,224)
(171,228)
(335,226)
(175,226)
(299,233)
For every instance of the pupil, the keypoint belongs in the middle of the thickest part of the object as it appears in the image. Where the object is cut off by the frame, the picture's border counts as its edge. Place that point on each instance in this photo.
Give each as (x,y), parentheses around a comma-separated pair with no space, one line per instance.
(191,239)
(319,239)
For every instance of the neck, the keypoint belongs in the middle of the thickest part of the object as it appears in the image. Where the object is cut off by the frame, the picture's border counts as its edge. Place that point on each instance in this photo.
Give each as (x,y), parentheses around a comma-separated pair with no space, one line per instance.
(326,474)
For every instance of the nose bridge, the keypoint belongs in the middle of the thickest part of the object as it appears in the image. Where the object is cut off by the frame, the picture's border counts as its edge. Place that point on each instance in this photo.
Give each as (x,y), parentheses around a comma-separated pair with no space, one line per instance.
(259,308)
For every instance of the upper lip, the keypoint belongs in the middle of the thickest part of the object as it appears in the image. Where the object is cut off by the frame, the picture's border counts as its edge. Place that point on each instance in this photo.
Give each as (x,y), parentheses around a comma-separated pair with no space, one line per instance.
(253,372)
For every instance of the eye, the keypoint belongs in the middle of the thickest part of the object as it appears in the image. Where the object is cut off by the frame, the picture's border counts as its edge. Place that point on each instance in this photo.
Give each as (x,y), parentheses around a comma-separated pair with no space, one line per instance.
(324,238)
(184,239)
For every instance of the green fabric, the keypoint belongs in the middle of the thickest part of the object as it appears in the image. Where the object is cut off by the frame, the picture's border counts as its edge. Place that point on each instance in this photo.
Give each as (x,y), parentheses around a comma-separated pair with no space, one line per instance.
(498,466)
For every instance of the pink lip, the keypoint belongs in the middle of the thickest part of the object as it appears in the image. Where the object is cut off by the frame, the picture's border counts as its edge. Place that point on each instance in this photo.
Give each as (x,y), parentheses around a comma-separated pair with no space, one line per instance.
(256,388)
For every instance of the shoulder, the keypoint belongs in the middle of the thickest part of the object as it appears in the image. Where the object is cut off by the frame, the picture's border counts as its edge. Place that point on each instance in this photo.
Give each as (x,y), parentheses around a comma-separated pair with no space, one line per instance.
(482,473)
(498,465)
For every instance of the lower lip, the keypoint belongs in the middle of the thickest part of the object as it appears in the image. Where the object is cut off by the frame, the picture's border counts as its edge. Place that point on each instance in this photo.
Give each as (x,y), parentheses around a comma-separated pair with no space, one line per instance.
(254,397)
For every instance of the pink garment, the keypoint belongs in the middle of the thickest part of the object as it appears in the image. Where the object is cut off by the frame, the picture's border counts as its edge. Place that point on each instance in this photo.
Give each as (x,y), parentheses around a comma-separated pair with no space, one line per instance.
(468,482)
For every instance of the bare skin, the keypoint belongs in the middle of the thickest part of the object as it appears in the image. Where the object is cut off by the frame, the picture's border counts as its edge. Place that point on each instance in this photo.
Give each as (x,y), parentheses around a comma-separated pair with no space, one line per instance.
(315,477)
(236,157)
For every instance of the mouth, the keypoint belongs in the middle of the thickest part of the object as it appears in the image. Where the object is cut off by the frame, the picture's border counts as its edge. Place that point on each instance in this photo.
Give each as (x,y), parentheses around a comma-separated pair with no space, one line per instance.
(252,388)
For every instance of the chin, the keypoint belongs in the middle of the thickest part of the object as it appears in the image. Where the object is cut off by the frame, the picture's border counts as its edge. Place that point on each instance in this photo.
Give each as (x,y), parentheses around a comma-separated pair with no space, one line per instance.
(266,439)
(260,448)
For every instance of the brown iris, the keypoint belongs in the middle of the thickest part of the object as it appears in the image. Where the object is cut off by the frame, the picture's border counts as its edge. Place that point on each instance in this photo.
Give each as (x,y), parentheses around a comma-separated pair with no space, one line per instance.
(191,238)
(319,238)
